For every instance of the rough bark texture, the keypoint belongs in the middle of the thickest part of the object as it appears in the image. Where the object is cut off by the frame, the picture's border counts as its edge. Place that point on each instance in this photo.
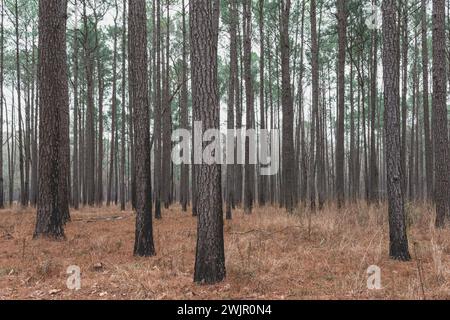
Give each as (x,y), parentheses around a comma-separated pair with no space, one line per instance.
(426,108)
(315,103)
(391,73)
(440,124)
(288,154)
(204,25)
(158,115)
(54,100)
(137,51)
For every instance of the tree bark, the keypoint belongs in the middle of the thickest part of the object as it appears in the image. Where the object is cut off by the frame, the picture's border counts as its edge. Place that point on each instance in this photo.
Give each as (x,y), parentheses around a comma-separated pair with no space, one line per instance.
(440,122)
(340,143)
(53,102)
(204,28)
(138,72)
(391,74)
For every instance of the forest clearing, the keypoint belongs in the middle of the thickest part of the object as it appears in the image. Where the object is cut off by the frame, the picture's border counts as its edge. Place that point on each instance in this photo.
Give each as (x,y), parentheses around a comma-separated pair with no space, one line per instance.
(269,255)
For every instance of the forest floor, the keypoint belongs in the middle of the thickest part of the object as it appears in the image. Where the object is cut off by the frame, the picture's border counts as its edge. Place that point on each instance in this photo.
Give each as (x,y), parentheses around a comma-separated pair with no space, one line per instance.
(269,255)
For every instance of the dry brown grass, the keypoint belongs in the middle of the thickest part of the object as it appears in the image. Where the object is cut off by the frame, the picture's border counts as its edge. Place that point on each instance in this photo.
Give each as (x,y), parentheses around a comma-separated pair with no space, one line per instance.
(269,255)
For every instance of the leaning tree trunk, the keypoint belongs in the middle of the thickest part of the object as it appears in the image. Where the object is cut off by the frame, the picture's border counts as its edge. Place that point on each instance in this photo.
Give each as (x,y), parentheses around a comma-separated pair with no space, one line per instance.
(137,49)
(204,24)
(391,74)
(53,102)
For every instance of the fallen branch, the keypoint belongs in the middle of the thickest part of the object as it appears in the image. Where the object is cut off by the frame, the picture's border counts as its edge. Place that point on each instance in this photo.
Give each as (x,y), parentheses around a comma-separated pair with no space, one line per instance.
(265,232)
(90,220)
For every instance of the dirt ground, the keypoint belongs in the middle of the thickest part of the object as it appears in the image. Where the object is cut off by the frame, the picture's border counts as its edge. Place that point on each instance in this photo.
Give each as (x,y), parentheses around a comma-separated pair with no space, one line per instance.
(269,255)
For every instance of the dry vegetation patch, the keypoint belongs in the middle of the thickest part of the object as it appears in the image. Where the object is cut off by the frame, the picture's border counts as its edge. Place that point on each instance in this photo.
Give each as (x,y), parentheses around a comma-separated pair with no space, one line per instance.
(269,255)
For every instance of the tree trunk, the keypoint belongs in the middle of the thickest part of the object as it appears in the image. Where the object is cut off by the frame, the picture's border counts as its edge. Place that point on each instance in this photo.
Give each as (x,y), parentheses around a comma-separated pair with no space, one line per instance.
(440,122)
(426,112)
(138,72)
(184,182)
(340,143)
(123,113)
(204,24)
(249,99)
(158,115)
(53,102)
(289,181)
(315,103)
(113,112)
(391,73)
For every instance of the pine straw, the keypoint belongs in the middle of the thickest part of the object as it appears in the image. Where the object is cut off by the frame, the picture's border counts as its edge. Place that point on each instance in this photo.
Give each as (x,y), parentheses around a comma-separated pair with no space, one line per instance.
(269,255)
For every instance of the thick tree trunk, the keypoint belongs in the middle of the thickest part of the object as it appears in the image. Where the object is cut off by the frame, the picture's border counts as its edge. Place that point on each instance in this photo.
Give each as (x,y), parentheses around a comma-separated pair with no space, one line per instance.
(53,102)
(204,27)
(137,49)
(440,122)
(391,74)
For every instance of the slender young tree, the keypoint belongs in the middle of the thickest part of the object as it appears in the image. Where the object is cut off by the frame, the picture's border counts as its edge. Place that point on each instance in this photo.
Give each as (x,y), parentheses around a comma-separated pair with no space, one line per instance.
(204,29)
(53,102)
(426,108)
(123,111)
(262,179)
(2,33)
(315,102)
(288,154)
(113,110)
(75,164)
(249,99)
(391,75)
(231,168)
(340,143)
(184,183)
(138,59)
